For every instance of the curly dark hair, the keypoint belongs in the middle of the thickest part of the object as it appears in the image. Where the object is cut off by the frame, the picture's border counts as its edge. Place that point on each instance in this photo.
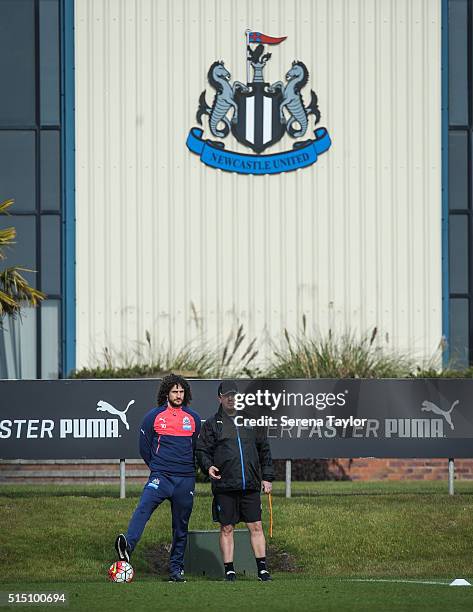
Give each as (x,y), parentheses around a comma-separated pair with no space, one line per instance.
(168,383)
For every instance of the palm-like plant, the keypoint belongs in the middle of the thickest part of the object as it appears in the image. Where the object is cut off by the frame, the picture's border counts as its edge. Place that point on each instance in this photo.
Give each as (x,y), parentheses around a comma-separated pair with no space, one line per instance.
(15,292)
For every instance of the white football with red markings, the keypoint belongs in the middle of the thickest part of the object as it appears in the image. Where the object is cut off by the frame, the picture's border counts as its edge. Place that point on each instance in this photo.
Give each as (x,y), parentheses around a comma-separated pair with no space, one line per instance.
(121,571)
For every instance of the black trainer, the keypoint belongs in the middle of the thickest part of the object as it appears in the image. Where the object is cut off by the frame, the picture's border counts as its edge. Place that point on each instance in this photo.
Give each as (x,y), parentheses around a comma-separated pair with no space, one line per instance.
(177,577)
(264,576)
(230,576)
(121,546)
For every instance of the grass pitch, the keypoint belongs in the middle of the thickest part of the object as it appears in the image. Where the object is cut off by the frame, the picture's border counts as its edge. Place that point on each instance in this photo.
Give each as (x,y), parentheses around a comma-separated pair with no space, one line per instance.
(284,594)
(61,538)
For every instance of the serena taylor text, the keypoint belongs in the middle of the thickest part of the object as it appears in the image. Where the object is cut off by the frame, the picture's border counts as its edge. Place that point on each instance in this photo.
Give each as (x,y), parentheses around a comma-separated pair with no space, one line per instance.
(284,421)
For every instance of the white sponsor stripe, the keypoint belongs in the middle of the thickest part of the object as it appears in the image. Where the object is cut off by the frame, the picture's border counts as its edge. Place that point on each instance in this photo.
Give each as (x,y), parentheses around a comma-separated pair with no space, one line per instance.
(438,582)
(250,119)
(267,119)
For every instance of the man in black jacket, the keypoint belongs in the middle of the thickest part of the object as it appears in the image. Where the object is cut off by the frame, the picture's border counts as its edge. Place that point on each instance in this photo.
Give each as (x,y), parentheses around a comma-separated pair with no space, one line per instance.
(238,461)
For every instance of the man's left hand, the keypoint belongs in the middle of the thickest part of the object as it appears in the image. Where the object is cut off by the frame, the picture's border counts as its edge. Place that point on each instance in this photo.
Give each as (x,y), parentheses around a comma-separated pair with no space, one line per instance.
(267,486)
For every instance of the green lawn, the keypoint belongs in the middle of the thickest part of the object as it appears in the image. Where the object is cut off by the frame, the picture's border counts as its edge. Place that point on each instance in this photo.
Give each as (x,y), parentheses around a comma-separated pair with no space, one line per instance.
(61,538)
(284,594)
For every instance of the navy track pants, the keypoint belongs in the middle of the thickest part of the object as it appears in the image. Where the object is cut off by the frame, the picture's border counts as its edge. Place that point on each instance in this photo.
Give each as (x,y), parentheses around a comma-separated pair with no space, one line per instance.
(179,490)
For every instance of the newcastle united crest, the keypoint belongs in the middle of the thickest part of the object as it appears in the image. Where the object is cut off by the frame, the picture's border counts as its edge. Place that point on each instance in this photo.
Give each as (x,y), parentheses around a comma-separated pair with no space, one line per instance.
(259,115)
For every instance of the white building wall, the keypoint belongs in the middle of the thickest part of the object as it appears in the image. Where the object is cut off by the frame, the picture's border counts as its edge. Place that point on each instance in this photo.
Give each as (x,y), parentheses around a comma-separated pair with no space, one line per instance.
(353,241)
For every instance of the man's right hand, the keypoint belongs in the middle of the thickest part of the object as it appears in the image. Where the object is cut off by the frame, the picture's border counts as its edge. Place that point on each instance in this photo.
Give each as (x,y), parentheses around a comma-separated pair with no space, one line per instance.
(214,472)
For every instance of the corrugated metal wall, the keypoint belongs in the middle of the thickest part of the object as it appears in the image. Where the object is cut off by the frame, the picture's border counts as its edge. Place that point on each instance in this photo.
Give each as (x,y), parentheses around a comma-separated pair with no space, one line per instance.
(164,243)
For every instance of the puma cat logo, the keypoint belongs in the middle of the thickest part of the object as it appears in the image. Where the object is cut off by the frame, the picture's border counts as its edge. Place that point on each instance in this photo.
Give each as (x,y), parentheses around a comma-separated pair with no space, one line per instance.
(431,407)
(103,406)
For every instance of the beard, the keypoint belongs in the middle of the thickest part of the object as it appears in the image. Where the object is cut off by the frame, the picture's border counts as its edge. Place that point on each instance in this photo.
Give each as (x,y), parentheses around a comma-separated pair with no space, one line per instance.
(175,404)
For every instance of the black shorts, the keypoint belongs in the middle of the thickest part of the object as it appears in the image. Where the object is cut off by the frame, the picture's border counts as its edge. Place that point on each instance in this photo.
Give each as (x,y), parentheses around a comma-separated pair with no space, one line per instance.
(231,507)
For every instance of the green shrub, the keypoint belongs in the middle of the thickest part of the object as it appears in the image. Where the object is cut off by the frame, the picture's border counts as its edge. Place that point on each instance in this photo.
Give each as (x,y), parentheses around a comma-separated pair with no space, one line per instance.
(445,373)
(333,356)
(344,356)
(233,360)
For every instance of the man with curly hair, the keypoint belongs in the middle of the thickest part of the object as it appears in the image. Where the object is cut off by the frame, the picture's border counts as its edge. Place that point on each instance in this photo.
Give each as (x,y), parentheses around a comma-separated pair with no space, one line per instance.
(168,437)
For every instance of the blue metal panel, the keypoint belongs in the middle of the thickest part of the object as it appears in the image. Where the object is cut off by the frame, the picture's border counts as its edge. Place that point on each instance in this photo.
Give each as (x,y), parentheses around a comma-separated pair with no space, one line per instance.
(445,260)
(68,189)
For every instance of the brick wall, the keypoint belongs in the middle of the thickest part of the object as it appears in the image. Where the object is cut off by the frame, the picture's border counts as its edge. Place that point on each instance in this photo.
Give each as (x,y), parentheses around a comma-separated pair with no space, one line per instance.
(98,471)
(64,471)
(375,469)
(404,469)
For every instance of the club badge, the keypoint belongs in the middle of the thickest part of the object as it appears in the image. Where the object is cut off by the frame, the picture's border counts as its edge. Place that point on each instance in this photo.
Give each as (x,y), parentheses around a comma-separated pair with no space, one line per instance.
(259,115)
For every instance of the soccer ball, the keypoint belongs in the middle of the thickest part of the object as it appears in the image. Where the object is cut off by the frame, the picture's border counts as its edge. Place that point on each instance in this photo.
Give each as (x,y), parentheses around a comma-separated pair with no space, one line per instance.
(121,571)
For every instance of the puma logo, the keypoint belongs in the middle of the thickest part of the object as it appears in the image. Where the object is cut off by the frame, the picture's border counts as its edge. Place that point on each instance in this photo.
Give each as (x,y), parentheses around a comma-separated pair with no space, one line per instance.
(103,406)
(430,407)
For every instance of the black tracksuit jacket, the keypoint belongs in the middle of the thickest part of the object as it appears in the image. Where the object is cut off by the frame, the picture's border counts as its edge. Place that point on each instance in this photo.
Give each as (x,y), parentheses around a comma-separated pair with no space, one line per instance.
(242,454)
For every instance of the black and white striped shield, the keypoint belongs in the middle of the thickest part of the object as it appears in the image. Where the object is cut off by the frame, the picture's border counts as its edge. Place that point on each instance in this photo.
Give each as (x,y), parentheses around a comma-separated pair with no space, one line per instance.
(259,125)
